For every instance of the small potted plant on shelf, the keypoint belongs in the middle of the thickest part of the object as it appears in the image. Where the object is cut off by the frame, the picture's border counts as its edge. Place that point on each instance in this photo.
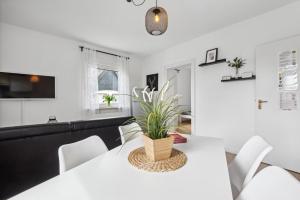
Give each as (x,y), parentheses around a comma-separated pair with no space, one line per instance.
(236,63)
(159,111)
(107,98)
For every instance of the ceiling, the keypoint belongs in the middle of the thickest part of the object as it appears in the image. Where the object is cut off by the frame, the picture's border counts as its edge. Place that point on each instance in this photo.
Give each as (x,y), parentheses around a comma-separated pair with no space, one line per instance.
(119,25)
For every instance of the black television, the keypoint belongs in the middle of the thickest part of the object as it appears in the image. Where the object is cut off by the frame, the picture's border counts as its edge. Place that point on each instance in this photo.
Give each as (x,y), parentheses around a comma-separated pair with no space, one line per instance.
(14,85)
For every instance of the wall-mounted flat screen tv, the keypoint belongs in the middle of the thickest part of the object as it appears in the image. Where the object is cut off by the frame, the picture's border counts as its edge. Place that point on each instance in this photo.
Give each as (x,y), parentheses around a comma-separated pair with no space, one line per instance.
(14,85)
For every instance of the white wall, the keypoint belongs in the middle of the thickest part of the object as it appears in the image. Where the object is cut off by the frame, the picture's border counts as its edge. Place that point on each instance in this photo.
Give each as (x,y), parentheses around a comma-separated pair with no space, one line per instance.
(27,51)
(227,110)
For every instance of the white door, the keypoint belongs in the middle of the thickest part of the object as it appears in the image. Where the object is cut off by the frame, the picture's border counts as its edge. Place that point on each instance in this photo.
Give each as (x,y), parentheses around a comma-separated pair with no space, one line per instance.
(279,125)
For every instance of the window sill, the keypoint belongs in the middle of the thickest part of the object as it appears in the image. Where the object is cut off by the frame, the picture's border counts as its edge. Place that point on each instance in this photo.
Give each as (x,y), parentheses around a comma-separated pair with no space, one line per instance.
(107,109)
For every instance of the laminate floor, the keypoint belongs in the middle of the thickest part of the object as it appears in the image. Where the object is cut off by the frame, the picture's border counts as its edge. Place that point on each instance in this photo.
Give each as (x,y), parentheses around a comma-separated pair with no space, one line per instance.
(185,127)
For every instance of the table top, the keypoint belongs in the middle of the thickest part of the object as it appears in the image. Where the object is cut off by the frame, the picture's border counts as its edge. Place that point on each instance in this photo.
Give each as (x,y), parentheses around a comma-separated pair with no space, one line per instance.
(111,177)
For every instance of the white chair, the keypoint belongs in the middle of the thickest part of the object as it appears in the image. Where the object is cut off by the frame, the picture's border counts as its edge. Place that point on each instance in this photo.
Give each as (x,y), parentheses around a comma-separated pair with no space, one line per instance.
(74,154)
(130,131)
(272,183)
(246,162)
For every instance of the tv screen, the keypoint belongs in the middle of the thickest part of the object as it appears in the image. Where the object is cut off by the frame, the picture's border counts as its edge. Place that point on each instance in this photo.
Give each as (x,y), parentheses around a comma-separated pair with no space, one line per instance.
(26,86)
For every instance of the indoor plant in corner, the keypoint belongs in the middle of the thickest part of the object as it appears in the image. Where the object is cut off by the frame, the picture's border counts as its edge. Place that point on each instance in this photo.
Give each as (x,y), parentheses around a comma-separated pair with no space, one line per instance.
(159,110)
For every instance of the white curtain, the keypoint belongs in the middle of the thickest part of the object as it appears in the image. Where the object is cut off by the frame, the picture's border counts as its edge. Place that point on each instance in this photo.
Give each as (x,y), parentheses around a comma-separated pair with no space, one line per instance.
(124,91)
(89,81)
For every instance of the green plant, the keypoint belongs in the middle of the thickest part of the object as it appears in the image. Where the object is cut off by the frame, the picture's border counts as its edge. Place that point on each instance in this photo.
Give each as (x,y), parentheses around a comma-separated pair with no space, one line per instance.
(236,63)
(108,99)
(159,111)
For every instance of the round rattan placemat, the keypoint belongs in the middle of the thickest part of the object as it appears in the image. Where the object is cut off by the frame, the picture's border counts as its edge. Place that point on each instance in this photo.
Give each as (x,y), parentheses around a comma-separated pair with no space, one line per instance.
(139,159)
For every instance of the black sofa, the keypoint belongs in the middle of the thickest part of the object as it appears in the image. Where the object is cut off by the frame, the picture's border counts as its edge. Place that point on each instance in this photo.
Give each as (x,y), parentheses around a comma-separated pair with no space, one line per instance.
(28,154)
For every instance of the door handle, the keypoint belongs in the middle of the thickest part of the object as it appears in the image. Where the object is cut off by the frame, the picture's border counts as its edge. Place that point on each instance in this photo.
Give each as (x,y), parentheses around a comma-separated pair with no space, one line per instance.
(260,102)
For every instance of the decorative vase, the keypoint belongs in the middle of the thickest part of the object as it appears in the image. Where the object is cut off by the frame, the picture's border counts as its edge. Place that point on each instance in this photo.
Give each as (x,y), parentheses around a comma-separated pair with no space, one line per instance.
(236,73)
(159,149)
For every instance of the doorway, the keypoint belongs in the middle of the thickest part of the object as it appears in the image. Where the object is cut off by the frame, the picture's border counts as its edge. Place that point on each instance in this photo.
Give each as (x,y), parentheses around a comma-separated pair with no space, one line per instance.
(180,77)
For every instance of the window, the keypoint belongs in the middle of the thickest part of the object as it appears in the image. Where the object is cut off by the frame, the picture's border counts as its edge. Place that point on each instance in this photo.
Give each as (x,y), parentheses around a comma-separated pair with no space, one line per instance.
(108,84)
(108,80)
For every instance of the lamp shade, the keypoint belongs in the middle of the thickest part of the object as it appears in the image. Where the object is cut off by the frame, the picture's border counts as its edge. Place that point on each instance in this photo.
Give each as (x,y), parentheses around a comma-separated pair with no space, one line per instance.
(156,21)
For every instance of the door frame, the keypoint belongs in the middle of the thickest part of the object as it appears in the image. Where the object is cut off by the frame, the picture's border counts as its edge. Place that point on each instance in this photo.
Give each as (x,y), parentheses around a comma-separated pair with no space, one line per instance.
(192,63)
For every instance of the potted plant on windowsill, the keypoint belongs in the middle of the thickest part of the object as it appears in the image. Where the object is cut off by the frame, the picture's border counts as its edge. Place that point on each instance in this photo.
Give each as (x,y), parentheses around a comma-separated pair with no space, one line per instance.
(107,98)
(159,110)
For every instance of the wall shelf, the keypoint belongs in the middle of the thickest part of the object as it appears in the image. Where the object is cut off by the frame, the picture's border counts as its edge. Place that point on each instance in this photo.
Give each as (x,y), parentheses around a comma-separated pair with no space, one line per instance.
(240,79)
(213,63)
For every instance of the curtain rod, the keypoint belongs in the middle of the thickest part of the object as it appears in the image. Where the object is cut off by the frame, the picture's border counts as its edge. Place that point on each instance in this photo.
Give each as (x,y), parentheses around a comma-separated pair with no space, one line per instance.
(82,47)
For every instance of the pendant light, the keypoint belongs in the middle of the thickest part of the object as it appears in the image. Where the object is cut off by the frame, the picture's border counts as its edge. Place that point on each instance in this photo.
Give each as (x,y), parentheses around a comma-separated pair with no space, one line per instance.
(156,20)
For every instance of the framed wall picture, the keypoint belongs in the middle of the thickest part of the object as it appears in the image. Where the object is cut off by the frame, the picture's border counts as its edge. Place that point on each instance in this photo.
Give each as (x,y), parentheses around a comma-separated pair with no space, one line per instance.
(211,55)
(152,81)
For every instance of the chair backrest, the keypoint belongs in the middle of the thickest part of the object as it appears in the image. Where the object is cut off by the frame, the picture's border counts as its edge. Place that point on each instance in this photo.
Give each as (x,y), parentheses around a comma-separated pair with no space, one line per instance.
(247,161)
(74,154)
(130,131)
(272,183)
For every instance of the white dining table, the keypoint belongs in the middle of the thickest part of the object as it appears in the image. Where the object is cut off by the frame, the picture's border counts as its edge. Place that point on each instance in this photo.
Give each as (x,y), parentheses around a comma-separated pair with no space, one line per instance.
(111,177)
